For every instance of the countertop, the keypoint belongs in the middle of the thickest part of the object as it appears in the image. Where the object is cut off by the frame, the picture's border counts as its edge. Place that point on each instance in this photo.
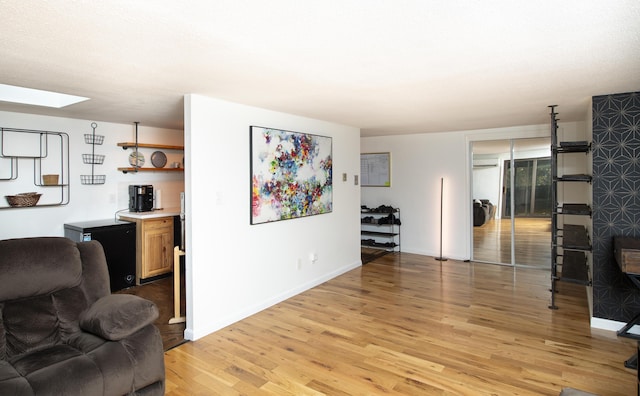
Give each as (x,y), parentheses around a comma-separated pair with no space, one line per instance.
(168,212)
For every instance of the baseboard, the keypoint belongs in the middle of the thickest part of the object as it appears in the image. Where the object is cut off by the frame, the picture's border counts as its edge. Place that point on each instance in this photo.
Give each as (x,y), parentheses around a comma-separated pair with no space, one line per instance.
(189,334)
(606,324)
(431,254)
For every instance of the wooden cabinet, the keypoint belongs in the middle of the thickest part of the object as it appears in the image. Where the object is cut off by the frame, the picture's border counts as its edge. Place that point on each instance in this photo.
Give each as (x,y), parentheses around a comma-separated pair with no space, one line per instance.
(154,247)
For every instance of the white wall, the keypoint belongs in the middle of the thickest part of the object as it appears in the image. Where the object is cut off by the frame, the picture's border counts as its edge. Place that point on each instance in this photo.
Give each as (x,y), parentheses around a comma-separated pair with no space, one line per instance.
(235,269)
(418,163)
(87,202)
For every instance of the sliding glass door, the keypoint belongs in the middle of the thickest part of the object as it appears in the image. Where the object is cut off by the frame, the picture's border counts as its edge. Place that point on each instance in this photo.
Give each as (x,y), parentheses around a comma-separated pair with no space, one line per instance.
(520,232)
(532,186)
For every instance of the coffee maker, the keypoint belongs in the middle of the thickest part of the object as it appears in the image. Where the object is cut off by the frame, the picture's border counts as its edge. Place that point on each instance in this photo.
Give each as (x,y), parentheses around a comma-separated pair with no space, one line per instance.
(140,198)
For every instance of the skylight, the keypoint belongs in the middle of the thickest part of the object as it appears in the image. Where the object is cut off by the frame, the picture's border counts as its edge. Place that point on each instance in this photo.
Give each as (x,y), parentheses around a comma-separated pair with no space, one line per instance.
(37,97)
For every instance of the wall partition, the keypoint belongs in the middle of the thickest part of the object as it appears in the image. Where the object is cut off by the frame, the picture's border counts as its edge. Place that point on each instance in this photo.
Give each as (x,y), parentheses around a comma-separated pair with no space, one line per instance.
(616,201)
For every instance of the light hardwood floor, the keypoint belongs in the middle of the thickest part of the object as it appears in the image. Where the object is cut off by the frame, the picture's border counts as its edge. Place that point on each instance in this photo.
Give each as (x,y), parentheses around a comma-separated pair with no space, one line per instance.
(406,324)
(492,242)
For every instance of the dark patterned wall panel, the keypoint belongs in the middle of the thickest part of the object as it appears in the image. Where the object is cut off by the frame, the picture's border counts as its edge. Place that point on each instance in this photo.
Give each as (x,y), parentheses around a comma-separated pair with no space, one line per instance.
(616,200)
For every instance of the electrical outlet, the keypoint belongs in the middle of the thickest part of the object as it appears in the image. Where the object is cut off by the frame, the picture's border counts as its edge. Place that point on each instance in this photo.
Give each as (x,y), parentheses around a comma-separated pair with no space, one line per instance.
(355,180)
(299,263)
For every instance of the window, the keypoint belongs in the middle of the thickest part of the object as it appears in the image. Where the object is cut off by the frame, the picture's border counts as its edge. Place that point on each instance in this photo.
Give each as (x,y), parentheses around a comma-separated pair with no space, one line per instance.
(532,186)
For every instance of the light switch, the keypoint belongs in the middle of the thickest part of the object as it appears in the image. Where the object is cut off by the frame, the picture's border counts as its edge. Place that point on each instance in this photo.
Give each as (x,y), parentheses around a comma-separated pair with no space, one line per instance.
(355,180)
(344,177)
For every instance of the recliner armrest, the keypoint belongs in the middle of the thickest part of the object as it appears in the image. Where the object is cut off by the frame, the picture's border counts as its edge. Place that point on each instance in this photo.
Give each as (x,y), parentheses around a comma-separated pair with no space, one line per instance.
(117,316)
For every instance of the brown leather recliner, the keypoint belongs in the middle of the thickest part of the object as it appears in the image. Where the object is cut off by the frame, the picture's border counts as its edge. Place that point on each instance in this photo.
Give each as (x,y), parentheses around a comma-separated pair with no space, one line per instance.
(62,332)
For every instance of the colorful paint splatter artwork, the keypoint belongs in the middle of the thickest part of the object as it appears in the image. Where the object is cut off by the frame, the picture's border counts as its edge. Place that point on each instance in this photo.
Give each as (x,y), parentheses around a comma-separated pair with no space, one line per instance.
(291,175)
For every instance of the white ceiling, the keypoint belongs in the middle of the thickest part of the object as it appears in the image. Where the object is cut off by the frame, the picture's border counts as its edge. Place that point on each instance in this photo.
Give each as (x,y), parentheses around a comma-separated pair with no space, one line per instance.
(385,66)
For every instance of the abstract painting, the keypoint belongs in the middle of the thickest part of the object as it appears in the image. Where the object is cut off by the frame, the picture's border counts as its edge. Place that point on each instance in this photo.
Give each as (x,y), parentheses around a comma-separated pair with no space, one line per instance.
(291,175)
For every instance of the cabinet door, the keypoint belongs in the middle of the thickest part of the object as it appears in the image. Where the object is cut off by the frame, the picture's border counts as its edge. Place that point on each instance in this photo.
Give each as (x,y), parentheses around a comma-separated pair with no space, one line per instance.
(157,257)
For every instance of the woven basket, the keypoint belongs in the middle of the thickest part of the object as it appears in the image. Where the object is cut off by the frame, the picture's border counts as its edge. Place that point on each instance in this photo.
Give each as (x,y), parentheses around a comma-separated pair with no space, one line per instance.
(23,200)
(50,180)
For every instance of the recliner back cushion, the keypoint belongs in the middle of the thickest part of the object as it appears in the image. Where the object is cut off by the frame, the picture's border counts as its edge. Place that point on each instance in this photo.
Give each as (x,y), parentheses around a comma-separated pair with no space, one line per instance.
(33,269)
(39,322)
(40,293)
(29,324)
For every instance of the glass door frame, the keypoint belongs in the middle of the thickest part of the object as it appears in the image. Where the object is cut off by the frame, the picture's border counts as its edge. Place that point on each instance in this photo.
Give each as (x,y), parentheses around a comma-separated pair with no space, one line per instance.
(512,143)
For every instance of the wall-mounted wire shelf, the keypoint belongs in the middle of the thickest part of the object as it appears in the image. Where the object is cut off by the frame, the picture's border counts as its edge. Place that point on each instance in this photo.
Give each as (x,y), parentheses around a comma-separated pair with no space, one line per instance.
(92,138)
(93,158)
(43,147)
(93,179)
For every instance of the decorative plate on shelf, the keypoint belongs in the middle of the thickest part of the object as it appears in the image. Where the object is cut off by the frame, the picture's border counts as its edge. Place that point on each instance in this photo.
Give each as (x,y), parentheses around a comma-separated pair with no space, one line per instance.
(158,159)
(134,157)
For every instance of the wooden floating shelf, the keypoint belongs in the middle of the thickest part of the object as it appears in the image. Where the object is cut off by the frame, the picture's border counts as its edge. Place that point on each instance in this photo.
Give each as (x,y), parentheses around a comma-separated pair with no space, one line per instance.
(132,169)
(126,145)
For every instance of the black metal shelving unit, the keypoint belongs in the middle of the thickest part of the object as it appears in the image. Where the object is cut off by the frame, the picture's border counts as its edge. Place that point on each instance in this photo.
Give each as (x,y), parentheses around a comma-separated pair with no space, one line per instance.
(40,146)
(570,243)
(381,228)
(380,232)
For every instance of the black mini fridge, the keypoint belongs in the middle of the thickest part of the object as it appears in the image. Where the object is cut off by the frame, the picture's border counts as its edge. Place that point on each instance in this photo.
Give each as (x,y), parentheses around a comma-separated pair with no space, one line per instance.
(118,238)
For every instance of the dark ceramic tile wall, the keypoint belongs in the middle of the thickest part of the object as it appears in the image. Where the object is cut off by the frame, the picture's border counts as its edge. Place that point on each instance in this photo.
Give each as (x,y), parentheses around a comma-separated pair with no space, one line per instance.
(616,200)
